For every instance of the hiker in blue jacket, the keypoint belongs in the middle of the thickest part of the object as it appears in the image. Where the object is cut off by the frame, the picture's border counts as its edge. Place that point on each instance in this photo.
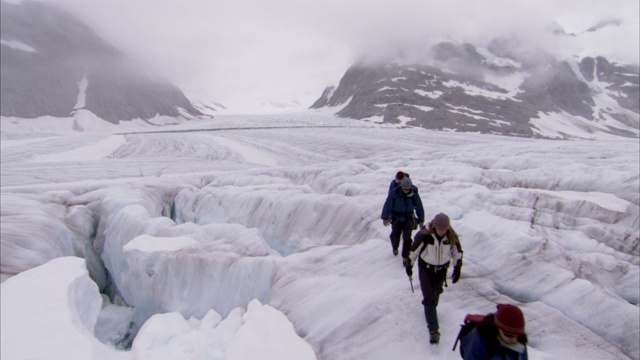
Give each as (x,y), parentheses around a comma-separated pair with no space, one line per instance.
(398,210)
(500,336)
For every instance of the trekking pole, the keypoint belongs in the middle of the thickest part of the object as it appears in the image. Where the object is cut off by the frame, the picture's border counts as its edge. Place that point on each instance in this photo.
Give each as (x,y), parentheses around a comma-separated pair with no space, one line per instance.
(409,271)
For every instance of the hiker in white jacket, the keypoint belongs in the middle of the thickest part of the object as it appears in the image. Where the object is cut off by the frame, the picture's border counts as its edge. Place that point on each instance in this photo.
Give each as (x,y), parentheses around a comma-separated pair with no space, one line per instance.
(435,246)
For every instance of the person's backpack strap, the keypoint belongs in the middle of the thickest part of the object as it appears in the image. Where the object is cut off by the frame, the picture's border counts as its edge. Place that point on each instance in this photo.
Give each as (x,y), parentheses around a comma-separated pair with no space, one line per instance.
(470,321)
(424,244)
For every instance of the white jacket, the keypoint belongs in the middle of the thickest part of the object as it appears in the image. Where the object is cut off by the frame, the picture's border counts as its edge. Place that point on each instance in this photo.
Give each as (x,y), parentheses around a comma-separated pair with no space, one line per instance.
(436,252)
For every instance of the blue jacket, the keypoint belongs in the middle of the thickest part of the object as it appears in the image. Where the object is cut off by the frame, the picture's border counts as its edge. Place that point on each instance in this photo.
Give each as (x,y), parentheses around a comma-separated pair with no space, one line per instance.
(401,206)
(475,348)
(393,184)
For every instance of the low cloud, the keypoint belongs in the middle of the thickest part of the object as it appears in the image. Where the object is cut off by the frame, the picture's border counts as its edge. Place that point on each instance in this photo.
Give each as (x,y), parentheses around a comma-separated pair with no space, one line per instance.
(244,53)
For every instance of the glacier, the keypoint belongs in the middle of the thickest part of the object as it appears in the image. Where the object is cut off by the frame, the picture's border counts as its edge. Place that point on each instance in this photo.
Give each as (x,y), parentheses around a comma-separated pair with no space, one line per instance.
(260,237)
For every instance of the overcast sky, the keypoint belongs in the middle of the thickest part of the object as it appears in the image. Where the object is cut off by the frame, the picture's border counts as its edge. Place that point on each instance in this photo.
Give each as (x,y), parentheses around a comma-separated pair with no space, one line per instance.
(245,54)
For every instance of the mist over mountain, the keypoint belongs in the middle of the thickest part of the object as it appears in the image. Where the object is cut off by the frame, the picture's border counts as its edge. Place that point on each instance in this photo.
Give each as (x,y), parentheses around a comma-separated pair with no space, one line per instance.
(54,64)
(605,23)
(508,87)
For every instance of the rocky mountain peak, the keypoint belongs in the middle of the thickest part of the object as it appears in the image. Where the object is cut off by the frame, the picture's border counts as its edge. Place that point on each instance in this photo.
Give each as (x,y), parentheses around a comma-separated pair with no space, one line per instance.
(506,88)
(54,64)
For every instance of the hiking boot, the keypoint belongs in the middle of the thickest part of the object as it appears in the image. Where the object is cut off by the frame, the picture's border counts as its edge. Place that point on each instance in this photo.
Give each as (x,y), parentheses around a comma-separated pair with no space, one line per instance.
(434,336)
(395,252)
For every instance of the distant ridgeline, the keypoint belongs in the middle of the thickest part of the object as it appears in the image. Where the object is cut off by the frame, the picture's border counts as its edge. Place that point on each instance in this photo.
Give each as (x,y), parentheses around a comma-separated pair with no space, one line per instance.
(494,90)
(53,64)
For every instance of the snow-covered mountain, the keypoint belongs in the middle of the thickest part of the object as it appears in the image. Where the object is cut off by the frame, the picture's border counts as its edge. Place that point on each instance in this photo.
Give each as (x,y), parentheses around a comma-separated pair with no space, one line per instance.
(504,88)
(207,107)
(55,65)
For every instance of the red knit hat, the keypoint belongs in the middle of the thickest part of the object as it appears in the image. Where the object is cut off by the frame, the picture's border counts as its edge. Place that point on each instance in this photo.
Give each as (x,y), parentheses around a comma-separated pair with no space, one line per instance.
(399,175)
(510,319)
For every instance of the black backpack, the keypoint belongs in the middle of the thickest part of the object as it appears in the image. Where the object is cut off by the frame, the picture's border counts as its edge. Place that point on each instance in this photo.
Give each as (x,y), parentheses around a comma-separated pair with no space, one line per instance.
(470,322)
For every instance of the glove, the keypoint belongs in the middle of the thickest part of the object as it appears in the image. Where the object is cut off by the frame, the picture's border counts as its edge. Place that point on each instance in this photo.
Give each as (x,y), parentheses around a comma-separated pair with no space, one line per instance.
(408,266)
(385,222)
(456,272)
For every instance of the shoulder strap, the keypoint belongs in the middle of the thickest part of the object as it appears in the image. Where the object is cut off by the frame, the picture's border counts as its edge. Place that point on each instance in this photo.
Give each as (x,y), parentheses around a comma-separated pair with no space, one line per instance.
(425,242)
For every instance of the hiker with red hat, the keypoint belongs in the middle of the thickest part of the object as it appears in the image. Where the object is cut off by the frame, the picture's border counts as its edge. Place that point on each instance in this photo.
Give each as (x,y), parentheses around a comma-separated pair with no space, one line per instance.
(499,336)
(403,211)
(435,246)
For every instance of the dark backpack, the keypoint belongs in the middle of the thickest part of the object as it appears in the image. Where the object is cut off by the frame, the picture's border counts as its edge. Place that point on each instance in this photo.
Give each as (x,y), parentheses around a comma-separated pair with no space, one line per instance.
(470,322)
(397,191)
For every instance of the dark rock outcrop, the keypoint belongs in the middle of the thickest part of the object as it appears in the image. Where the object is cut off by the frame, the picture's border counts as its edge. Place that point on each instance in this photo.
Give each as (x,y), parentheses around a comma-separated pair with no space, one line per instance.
(499,90)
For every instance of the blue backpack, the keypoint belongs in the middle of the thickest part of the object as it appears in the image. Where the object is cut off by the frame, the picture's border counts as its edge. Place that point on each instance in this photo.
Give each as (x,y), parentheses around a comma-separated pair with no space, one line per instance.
(470,322)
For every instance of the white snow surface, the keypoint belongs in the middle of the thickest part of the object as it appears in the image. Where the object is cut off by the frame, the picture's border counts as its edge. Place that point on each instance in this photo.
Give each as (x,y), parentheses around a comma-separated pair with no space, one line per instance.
(56,305)
(259,237)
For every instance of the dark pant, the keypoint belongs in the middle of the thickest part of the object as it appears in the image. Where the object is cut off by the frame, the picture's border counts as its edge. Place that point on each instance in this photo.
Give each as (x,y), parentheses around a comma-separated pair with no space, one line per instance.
(431,282)
(403,228)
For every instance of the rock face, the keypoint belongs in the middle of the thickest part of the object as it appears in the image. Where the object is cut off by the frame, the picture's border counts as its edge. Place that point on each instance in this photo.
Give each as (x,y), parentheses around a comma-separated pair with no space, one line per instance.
(53,64)
(500,90)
